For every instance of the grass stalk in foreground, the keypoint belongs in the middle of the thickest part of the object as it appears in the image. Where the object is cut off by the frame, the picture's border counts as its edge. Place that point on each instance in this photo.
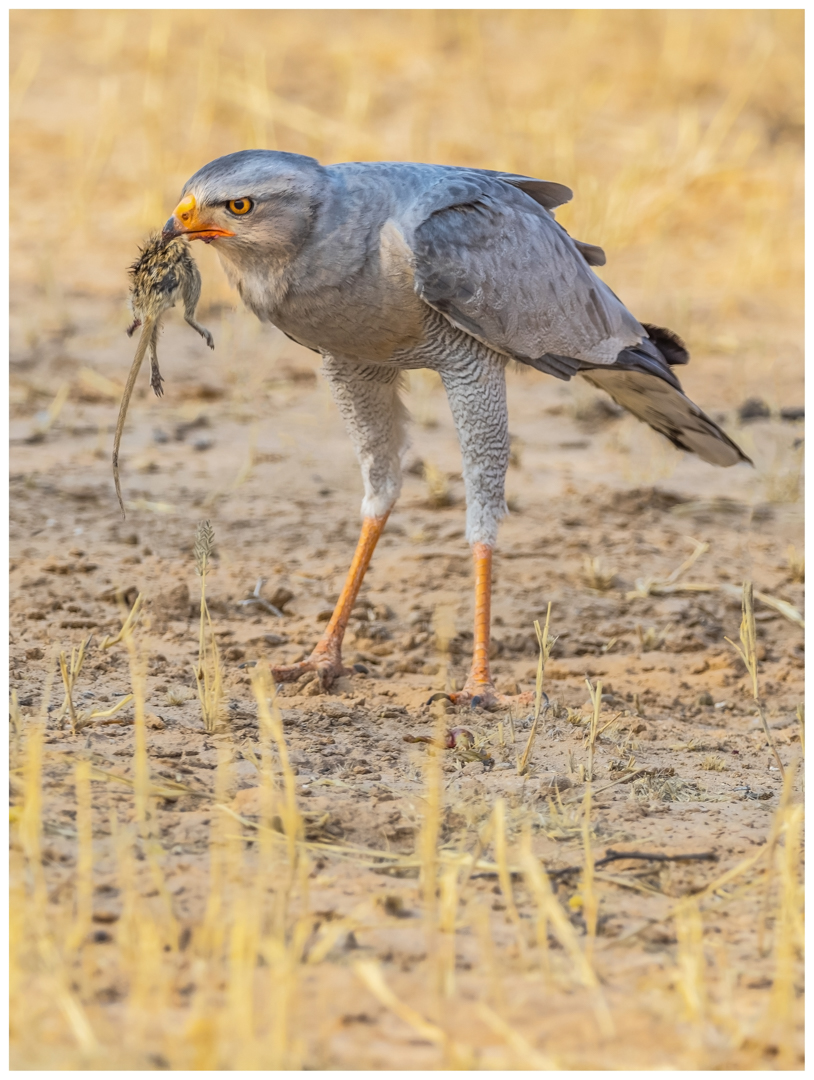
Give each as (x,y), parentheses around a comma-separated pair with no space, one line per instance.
(590,901)
(550,910)
(545,644)
(141,764)
(503,874)
(447,920)
(84,862)
(70,673)
(747,651)
(208,673)
(789,931)
(691,979)
(596,702)
(271,727)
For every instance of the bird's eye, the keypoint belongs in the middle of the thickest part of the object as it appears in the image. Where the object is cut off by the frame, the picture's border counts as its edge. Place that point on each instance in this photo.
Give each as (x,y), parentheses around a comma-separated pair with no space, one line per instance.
(240,206)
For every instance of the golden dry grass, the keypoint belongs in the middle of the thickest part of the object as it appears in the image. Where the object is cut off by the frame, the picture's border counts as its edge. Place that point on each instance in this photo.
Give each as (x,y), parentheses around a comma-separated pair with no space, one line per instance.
(681,135)
(680,132)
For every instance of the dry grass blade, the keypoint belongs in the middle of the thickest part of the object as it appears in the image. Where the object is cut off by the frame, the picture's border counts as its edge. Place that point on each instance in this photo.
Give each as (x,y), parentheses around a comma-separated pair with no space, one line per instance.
(164,789)
(787,610)
(789,927)
(16,723)
(448,897)
(503,873)
(650,639)
(778,825)
(596,575)
(691,961)
(370,974)
(549,908)
(84,864)
(653,586)
(783,607)
(70,673)
(747,650)
(438,490)
(545,643)
(47,420)
(444,627)
(204,546)
(271,728)
(596,702)
(528,1056)
(208,672)
(797,564)
(129,622)
(590,901)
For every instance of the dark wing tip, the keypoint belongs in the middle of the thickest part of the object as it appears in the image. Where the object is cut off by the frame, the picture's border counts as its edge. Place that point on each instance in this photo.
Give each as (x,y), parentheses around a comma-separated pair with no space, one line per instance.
(545,192)
(591,253)
(668,343)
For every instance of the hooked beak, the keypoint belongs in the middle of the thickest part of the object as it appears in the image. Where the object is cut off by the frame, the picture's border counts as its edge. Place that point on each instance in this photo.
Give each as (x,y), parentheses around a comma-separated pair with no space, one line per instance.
(185,221)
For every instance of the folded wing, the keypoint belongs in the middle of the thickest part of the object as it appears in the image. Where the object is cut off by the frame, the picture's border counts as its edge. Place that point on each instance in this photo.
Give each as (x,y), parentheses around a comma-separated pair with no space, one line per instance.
(490,257)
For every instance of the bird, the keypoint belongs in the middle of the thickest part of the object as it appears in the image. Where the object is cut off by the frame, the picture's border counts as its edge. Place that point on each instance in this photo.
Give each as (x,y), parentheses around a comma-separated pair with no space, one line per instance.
(383,267)
(163,273)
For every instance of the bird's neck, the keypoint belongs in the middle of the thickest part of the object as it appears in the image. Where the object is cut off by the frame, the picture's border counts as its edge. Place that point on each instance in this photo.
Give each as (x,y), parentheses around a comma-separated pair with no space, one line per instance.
(262,279)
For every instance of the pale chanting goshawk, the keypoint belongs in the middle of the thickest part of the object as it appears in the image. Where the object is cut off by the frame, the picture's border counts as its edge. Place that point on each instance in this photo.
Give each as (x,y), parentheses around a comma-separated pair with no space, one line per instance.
(385,266)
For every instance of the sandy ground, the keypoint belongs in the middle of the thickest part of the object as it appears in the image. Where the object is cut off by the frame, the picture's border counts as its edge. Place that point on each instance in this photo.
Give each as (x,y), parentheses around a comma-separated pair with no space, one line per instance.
(249,438)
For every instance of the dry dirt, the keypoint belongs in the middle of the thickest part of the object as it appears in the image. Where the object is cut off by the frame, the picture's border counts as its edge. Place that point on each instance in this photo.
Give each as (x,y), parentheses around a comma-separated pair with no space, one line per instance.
(249,438)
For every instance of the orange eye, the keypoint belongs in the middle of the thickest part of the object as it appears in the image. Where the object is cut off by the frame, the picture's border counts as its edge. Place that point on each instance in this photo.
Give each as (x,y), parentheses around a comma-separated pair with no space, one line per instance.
(240,206)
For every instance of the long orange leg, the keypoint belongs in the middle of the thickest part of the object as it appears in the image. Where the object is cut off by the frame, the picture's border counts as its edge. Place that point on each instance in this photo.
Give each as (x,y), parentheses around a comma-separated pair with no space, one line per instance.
(326,659)
(479,685)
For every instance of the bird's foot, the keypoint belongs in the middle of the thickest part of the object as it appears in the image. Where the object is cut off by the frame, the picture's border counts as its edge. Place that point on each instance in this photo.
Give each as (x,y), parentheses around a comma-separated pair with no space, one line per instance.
(327,665)
(484,695)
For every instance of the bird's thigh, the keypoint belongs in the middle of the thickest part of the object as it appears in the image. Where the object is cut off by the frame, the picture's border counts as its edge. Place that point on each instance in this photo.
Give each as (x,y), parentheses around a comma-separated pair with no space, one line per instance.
(368,399)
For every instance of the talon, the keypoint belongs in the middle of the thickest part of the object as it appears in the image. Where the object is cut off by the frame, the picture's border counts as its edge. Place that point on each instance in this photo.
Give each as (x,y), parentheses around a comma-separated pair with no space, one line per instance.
(440,696)
(476,700)
(360,669)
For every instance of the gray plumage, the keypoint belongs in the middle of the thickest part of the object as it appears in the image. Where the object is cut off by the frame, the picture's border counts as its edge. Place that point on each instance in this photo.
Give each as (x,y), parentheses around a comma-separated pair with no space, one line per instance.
(382,267)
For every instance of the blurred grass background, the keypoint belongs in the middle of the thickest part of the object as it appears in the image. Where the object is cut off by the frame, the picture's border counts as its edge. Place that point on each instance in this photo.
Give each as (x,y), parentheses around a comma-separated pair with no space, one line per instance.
(681,133)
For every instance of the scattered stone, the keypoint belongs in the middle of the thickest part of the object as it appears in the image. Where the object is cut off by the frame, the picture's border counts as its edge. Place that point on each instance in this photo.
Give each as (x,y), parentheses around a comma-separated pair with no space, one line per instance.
(281,597)
(336,709)
(105,915)
(753,409)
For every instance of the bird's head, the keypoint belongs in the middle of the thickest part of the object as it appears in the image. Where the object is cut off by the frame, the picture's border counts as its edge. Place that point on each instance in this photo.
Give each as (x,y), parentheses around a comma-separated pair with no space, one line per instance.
(254,203)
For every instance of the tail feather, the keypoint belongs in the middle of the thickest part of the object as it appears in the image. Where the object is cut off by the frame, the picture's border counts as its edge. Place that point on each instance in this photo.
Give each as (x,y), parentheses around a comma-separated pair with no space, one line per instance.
(668,343)
(668,410)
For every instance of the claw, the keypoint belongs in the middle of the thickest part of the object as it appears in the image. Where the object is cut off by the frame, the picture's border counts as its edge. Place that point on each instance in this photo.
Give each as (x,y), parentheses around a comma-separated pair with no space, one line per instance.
(440,696)
(327,669)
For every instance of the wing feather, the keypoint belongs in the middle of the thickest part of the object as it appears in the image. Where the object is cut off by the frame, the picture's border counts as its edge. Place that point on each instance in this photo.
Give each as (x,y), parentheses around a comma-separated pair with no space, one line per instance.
(497,265)
(491,258)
